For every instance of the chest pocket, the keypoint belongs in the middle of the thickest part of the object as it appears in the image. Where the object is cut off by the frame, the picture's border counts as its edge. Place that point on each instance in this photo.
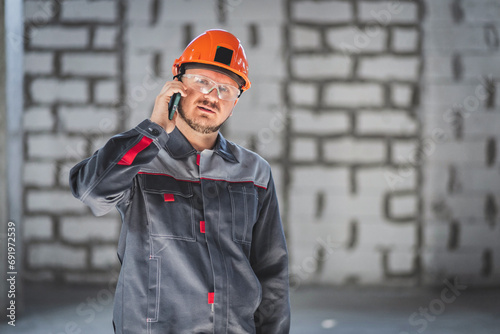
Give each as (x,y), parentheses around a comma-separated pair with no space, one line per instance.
(170,207)
(244,205)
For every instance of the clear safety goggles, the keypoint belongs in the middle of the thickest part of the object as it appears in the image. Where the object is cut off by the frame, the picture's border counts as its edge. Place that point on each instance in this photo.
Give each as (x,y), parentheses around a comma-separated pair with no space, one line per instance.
(205,85)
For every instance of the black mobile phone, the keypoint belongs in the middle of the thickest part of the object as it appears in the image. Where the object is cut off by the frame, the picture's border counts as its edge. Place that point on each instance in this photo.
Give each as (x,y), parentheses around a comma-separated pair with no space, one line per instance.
(173,105)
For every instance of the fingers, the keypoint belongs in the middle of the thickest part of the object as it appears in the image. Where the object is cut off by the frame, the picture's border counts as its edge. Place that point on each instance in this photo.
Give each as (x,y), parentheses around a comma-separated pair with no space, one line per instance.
(160,110)
(172,87)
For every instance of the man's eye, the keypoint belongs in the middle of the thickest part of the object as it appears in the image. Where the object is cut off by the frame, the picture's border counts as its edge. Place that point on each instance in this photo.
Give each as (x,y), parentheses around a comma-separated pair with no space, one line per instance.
(224,89)
(203,82)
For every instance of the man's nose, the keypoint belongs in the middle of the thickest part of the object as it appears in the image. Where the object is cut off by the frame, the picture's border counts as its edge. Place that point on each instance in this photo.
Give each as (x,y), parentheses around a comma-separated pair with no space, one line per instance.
(213,93)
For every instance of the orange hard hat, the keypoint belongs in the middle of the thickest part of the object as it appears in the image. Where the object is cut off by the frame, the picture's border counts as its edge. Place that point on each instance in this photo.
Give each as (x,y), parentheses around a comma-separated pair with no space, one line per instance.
(217,48)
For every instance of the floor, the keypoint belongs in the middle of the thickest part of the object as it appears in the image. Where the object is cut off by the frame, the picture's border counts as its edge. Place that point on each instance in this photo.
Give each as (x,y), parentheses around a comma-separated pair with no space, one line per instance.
(52,309)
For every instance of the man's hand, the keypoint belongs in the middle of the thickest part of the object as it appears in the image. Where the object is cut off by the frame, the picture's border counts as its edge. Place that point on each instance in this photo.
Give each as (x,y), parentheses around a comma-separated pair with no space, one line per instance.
(160,110)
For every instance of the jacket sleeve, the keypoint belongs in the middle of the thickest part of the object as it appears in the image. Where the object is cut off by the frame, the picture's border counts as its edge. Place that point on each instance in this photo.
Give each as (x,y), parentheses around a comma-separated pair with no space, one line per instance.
(106,178)
(269,259)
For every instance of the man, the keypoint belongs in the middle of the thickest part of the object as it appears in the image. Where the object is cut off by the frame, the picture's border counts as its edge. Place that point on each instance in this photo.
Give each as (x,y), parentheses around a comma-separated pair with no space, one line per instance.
(202,246)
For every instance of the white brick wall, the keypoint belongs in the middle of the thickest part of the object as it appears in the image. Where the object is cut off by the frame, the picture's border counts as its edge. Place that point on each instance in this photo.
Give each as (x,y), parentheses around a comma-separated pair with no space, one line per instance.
(38,119)
(387,122)
(375,234)
(389,67)
(447,40)
(405,40)
(403,206)
(106,91)
(105,37)
(56,256)
(353,267)
(53,201)
(351,150)
(305,38)
(83,10)
(374,180)
(435,236)
(199,11)
(241,11)
(401,262)
(38,62)
(59,38)
(39,10)
(352,40)
(85,229)
(307,121)
(319,67)
(89,64)
(405,151)
(401,95)
(352,90)
(155,38)
(72,94)
(303,93)
(471,233)
(440,265)
(39,228)
(41,174)
(381,72)
(53,90)
(322,12)
(388,12)
(304,149)
(46,146)
(104,257)
(88,119)
(317,177)
(353,95)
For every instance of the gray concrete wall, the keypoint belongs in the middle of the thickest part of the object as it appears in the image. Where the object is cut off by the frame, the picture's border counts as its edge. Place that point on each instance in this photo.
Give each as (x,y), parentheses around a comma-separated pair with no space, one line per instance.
(347,104)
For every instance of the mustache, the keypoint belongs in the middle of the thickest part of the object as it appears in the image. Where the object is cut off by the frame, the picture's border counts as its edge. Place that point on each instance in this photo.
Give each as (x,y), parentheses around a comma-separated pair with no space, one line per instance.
(211,105)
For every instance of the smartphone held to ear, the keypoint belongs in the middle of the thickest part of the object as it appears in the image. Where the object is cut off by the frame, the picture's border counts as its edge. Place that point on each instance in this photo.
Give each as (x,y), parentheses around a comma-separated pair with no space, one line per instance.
(173,105)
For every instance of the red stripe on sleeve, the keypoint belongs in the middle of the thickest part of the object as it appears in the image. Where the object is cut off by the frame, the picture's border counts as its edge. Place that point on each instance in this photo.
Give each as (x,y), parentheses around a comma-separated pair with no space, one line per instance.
(129,157)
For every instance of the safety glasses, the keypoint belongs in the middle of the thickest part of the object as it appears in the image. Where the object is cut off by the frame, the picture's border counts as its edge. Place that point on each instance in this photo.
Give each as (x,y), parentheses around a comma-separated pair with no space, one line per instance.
(205,85)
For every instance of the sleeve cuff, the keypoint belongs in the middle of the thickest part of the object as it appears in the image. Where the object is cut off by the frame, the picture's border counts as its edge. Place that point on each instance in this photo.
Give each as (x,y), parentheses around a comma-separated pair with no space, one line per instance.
(153,131)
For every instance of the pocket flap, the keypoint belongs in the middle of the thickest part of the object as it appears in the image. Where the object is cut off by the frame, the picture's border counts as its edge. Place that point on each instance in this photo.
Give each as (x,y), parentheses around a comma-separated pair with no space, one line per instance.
(164,184)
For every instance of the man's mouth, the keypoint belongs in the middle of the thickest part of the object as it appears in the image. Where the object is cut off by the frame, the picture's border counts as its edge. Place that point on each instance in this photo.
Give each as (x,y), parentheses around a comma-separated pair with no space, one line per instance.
(206,109)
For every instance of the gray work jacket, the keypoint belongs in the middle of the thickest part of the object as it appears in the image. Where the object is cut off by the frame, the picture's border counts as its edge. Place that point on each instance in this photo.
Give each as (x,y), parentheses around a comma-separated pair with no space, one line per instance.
(202,247)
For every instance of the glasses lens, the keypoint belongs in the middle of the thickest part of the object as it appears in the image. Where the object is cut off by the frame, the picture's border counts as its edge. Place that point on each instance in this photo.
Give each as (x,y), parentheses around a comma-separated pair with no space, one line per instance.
(206,85)
(228,92)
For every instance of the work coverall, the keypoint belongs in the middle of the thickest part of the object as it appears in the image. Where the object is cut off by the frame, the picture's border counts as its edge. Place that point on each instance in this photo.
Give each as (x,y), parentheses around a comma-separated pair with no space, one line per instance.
(202,247)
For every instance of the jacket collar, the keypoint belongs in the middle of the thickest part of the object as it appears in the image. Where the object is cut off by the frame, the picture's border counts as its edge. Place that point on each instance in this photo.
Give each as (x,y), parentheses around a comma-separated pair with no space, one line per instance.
(179,147)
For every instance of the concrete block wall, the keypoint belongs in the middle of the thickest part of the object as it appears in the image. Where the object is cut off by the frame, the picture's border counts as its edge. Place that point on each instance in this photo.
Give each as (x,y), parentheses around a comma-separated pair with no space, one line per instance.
(379,118)
(73,86)
(352,95)
(461,180)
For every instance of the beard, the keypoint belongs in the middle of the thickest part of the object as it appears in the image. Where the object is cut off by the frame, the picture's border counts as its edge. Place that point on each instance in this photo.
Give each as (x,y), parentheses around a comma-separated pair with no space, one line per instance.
(198,126)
